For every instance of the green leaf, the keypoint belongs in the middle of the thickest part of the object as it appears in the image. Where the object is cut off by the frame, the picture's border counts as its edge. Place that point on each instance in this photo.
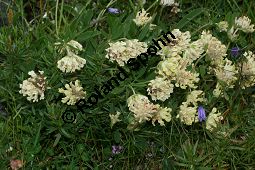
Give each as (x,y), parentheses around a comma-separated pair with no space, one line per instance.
(144,32)
(117,136)
(189,17)
(87,35)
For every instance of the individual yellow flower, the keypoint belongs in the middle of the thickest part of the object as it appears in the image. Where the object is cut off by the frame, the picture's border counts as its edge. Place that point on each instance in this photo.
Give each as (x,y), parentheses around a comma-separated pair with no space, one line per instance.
(177,45)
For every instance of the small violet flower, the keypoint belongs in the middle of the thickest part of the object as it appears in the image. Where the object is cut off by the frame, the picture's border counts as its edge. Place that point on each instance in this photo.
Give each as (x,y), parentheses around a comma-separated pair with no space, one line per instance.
(113,10)
(201,114)
(235,51)
(116,149)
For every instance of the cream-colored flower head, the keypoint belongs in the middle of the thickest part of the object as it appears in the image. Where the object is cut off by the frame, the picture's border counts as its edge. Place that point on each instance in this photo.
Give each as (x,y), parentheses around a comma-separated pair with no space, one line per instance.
(167,2)
(223,26)
(122,51)
(213,120)
(174,69)
(169,67)
(187,114)
(142,18)
(194,97)
(162,114)
(171,3)
(248,69)
(216,51)
(227,73)
(218,90)
(177,45)
(34,86)
(160,89)
(71,63)
(205,38)
(244,23)
(188,110)
(74,92)
(142,108)
(114,118)
(193,51)
(186,79)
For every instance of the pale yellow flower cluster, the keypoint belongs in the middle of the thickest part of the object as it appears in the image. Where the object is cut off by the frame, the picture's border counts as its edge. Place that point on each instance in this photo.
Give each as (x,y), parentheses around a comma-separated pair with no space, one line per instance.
(34,86)
(188,110)
(242,23)
(213,120)
(74,92)
(177,46)
(171,3)
(223,26)
(193,51)
(142,18)
(114,118)
(71,62)
(218,90)
(215,50)
(248,69)
(226,73)
(160,89)
(144,110)
(172,71)
(224,69)
(122,51)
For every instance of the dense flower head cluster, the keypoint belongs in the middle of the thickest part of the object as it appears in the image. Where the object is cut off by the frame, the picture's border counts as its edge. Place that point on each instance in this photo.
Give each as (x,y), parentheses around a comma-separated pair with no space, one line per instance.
(114,118)
(142,18)
(227,73)
(71,62)
(122,51)
(160,89)
(188,109)
(175,70)
(213,119)
(144,110)
(34,87)
(171,3)
(248,69)
(177,45)
(74,92)
(242,23)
